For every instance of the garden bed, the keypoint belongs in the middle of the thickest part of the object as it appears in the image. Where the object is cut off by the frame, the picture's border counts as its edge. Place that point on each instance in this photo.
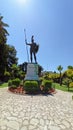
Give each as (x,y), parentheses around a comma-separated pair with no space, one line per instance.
(31,87)
(20,90)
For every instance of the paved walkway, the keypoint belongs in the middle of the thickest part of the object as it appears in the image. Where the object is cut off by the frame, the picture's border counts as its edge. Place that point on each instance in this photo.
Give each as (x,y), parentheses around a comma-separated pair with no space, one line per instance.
(24,112)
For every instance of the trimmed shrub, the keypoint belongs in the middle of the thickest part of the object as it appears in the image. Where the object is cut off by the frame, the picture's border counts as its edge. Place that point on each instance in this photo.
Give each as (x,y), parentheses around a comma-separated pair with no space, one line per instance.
(31,86)
(16,82)
(10,83)
(47,85)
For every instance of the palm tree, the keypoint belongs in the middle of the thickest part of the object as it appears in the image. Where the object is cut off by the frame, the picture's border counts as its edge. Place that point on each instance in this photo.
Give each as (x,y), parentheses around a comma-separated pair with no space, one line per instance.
(60,68)
(3,31)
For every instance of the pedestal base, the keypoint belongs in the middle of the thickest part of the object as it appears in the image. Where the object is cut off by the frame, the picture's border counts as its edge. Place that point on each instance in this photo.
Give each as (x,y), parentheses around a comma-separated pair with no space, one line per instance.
(32,72)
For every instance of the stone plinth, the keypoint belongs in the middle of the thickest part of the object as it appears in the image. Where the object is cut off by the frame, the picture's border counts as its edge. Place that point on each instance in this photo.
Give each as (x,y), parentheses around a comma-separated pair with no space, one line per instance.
(32,72)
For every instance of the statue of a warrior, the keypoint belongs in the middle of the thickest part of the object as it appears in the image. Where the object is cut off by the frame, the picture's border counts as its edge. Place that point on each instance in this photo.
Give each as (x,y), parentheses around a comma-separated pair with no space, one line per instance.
(33,49)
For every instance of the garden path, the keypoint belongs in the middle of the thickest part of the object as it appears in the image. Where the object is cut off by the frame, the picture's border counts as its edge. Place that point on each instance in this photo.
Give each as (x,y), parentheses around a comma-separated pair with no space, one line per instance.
(39,112)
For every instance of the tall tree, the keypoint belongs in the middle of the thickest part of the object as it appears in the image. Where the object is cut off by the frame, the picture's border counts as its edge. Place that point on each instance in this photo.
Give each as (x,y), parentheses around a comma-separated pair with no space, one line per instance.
(14,71)
(23,67)
(11,57)
(60,68)
(3,39)
(40,69)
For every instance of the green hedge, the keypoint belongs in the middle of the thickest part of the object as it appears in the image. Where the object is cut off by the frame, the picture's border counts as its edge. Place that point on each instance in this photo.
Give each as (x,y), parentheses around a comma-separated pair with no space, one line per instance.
(47,85)
(31,86)
(9,83)
(15,82)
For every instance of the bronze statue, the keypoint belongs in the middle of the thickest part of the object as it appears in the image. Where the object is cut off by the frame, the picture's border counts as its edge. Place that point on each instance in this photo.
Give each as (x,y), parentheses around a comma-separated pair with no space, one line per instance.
(33,49)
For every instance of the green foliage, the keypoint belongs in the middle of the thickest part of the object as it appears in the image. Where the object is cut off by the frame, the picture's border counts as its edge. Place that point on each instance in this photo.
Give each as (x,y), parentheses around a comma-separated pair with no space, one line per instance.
(47,85)
(11,55)
(70,67)
(21,74)
(23,67)
(66,81)
(10,83)
(3,31)
(71,85)
(14,71)
(21,83)
(8,57)
(54,76)
(40,69)
(69,73)
(3,39)
(16,82)
(31,86)
(41,79)
(6,76)
(60,68)
(7,53)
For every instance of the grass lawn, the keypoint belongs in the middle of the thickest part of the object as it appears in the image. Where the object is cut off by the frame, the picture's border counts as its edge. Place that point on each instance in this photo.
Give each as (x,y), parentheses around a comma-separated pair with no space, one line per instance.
(63,87)
(3,85)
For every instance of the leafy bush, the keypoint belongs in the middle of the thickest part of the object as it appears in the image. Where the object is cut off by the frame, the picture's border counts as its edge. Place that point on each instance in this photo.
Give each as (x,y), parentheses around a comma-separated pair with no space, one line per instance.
(66,81)
(10,83)
(16,82)
(71,85)
(47,85)
(31,86)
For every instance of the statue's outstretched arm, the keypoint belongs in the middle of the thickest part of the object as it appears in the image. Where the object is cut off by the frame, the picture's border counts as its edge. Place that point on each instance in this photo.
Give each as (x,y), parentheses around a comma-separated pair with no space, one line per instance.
(28,44)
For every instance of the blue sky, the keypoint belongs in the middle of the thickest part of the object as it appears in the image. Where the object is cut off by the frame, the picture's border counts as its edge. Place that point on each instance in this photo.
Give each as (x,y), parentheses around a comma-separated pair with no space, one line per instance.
(51,23)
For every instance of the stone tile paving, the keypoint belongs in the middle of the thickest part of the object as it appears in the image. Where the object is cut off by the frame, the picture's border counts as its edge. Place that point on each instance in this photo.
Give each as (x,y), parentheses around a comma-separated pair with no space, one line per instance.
(26,112)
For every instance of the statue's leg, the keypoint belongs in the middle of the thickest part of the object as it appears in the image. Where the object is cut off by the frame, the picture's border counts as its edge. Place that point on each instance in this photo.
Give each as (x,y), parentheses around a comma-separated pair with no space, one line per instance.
(35,58)
(31,56)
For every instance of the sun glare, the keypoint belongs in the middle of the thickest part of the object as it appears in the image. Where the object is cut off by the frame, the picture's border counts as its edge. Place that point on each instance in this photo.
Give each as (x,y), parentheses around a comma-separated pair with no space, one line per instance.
(22,1)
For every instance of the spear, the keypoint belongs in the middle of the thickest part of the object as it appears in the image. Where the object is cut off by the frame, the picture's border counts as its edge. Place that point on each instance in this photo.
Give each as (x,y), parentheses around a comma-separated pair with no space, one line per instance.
(26,44)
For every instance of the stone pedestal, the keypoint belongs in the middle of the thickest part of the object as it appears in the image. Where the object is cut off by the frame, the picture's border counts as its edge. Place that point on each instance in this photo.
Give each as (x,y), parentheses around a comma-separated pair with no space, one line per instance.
(32,72)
